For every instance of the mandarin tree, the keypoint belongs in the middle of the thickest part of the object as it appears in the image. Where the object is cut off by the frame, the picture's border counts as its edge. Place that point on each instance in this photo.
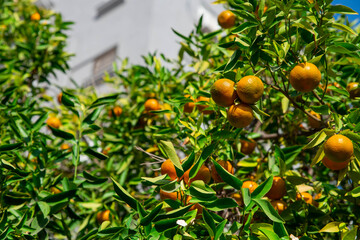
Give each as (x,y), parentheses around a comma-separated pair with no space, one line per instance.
(278,76)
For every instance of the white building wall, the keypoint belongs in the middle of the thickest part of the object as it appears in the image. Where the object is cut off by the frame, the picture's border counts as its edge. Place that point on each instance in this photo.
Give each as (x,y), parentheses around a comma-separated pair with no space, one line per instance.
(136,27)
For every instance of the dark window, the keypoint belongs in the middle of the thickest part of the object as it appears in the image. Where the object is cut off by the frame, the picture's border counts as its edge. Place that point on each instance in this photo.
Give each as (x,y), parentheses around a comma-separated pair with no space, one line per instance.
(107,7)
(103,63)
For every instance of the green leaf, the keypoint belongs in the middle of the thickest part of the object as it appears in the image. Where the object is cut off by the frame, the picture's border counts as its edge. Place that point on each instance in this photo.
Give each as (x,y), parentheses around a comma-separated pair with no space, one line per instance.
(60,196)
(285,104)
(220,229)
(179,212)
(264,187)
(318,138)
(255,227)
(9,147)
(159,180)
(39,123)
(350,235)
(148,218)
(62,134)
(220,204)
(245,193)
(331,227)
(93,179)
(91,118)
(202,192)
(355,192)
(323,109)
(269,234)
(341,9)
(95,154)
(166,224)
(268,210)
(69,100)
(5,232)
(44,207)
(209,223)
(204,155)
(319,156)
(233,60)
(91,129)
(124,195)
(243,27)
(227,177)
(104,101)
(280,230)
(169,149)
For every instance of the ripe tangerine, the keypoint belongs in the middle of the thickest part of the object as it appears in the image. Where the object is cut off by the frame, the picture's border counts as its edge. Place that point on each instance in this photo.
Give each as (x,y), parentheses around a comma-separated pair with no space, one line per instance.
(278,189)
(189,106)
(251,185)
(247,147)
(240,115)
(338,148)
(223,92)
(250,89)
(53,122)
(168,168)
(226,19)
(305,77)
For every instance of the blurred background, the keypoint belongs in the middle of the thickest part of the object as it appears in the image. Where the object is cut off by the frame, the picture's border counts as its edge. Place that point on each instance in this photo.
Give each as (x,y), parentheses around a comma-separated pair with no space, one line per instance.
(109,30)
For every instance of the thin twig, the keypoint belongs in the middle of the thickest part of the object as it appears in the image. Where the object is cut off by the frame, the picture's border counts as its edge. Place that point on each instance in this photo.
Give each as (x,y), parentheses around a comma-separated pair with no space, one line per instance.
(297,105)
(153,156)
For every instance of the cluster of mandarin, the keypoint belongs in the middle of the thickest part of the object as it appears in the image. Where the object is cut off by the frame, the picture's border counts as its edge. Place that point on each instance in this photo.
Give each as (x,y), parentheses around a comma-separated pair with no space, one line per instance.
(275,194)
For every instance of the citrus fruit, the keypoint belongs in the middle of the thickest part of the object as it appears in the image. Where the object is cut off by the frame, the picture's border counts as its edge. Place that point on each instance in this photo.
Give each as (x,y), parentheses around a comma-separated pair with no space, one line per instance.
(250,89)
(169,195)
(203,174)
(338,148)
(64,146)
(201,107)
(223,92)
(334,165)
(354,89)
(59,97)
(116,110)
(247,147)
(279,205)
(312,122)
(35,17)
(305,77)
(152,104)
(278,189)
(168,168)
(238,198)
(251,185)
(189,106)
(55,190)
(304,196)
(53,122)
(226,19)
(240,115)
(103,216)
(226,165)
